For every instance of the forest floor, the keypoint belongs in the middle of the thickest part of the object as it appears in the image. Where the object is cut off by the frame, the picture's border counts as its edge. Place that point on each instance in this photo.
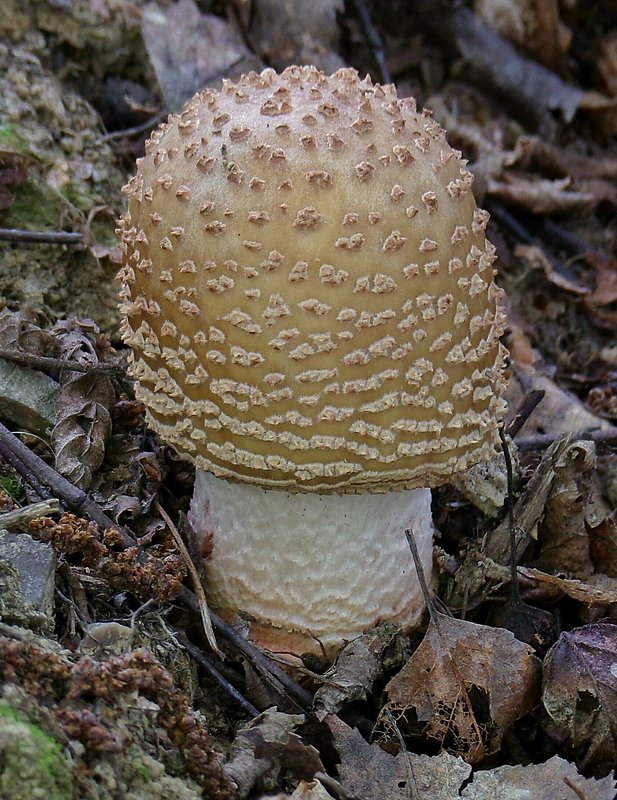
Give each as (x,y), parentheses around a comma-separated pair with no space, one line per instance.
(108,687)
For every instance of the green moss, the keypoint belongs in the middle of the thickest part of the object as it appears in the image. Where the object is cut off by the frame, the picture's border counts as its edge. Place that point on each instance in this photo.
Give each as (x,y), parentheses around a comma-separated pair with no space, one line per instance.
(33,764)
(11,485)
(11,139)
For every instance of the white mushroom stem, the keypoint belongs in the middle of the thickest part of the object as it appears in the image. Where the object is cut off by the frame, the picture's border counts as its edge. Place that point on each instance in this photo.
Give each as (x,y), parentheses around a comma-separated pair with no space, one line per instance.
(312,571)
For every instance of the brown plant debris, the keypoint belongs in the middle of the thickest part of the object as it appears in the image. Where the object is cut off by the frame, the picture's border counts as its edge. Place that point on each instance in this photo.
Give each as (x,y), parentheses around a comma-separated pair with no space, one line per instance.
(580,693)
(464,687)
(92,698)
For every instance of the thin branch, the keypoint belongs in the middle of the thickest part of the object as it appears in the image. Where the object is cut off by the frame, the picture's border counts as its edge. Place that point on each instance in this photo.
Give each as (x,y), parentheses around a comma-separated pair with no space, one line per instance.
(514,587)
(40,237)
(374,39)
(204,611)
(430,603)
(28,463)
(47,362)
(208,667)
(524,411)
(300,696)
(541,441)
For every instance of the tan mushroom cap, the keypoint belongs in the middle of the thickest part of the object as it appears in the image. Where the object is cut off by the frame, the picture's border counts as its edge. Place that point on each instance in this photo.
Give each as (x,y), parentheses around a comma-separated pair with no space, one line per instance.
(307,288)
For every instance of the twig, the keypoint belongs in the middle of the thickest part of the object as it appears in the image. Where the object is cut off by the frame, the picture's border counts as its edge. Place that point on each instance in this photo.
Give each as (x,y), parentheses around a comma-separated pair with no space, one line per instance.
(412,786)
(524,411)
(300,696)
(373,38)
(204,611)
(136,130)
(510,221)
(28,463)
(430,603)
(541,441)
(208,667)
(515,593)
(40,237)
(22,516)
(46,362)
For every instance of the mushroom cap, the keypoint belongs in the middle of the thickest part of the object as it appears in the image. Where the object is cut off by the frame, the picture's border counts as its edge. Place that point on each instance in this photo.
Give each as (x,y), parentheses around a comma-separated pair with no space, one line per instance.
(307,288)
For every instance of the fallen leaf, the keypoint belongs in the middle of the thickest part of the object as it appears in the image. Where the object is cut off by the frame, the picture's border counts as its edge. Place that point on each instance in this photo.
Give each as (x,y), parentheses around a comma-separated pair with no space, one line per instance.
(367,771)
(555,779)
(190,50)
(464,686)
(84,402)
(294,32)
(563,537)
(580,693)
(268,745)
(603,545)
(355,671)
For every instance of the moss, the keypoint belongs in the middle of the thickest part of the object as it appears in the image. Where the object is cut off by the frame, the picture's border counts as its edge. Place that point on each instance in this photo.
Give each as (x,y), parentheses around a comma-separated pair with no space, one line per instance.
(33,764)
(11,139)
(11,485)
(35,207)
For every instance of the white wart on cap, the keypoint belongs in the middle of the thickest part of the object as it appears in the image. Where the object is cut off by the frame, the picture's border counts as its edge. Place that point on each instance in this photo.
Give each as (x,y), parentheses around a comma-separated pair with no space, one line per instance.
(308,292)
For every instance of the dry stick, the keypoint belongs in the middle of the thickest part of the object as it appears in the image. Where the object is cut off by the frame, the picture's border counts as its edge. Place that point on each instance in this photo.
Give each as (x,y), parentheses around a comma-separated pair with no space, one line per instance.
(46,362)
(373,38)
(524,411)
(299,695)
(40,237)
(204,611)
(19,517)
(208,667)
(515,593)
(430,603)
(543,440)
(22,469)
(28,462)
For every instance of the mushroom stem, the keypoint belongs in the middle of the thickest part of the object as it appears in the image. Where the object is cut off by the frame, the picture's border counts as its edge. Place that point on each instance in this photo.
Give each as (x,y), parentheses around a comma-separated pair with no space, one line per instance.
(310,570)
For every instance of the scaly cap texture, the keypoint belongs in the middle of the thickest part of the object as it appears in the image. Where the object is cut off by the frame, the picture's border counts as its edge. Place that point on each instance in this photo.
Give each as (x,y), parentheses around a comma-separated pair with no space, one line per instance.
(307,288)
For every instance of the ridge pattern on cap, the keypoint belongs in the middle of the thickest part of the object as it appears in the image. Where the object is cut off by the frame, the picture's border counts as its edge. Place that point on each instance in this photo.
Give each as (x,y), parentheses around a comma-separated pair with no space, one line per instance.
(307,288)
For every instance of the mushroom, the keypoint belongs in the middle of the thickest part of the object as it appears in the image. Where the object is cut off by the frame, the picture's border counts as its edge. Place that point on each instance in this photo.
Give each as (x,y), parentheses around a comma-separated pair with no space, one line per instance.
(309,298)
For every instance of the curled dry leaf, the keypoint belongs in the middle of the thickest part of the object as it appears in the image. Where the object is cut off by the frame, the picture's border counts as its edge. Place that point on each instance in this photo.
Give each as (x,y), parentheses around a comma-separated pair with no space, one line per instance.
(268,745)
(555,778)
(464,687)
(580,693)
(84,420)
(563,537)
(356,669)
(367,771)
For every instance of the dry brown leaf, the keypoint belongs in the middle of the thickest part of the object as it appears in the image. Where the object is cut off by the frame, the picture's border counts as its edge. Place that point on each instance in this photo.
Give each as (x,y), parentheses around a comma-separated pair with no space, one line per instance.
(580,693)
(537,259)
(554,779)
(296,32)
(598,590)
(542,196)
(355,671)
(603,545)
(465,686)
(533,26)
(563,537)
(190,50)
(268,745)
(84,402)
(366,771)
